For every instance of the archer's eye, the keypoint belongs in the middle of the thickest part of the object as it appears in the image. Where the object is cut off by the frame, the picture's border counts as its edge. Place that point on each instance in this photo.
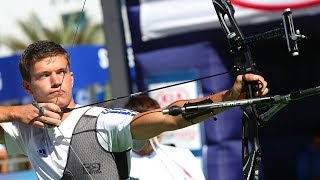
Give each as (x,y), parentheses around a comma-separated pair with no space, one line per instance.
(44,75)
(62,72)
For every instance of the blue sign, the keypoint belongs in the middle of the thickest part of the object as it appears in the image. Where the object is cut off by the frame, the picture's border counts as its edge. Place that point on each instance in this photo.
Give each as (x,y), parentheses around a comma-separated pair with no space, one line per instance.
(90,65)
(10,79)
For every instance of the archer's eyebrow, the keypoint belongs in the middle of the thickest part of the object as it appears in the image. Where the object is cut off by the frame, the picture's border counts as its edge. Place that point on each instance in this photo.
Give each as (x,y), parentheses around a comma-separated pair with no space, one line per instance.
(64,69)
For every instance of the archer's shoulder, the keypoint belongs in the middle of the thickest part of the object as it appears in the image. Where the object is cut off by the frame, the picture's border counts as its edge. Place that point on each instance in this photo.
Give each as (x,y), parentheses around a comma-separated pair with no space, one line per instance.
(116,115)
(96,111)
(115,118)
(119,112)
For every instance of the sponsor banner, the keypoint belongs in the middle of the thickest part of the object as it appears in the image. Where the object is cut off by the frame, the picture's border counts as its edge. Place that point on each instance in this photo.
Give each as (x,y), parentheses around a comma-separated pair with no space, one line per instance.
(189,137)
(164,18)
(169,95)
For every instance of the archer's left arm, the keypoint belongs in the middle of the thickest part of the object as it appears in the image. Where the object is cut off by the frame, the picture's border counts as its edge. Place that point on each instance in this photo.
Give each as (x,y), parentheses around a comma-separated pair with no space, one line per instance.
(151,123)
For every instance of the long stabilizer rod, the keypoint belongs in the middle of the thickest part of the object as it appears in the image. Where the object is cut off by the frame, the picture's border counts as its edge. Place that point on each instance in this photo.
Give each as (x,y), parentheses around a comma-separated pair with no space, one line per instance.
(175,110)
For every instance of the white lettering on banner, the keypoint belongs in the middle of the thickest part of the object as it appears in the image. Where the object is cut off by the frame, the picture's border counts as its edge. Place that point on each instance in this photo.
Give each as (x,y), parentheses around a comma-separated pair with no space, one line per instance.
(130,57)
(1,85)
(103,58)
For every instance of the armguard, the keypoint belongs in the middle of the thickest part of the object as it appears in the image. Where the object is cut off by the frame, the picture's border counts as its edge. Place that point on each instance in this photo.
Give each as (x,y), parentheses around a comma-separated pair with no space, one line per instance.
(190,116)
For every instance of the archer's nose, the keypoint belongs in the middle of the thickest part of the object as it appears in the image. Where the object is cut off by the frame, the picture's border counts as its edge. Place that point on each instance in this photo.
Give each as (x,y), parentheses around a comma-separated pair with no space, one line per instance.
(56,80)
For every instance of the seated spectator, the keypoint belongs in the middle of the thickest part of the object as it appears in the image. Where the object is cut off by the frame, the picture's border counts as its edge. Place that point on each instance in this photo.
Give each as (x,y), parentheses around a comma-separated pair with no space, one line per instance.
(4,166)
(158,161)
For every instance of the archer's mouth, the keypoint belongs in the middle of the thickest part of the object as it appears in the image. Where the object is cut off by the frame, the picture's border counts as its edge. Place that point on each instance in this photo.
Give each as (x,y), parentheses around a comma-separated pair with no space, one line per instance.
(57,93)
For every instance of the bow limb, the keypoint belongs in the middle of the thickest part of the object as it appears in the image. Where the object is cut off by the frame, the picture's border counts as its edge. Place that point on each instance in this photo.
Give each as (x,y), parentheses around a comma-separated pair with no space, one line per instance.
(243,64)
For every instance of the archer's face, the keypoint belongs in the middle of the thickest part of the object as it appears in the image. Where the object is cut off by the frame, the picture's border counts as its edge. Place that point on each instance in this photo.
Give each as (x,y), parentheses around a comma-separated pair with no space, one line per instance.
(51,81)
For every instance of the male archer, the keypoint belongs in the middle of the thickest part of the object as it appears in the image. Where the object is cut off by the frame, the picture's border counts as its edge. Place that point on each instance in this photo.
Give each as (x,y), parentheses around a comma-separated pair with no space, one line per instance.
(88,142)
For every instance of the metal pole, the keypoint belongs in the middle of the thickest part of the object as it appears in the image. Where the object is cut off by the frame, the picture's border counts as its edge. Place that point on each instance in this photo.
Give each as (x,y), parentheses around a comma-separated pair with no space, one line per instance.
(117,50)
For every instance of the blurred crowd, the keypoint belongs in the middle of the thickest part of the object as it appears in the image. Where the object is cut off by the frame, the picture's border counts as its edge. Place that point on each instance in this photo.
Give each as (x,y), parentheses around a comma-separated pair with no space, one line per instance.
(12,163)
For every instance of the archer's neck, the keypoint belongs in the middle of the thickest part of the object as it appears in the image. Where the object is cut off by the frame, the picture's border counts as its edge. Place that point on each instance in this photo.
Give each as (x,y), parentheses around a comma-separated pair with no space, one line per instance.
(64,115)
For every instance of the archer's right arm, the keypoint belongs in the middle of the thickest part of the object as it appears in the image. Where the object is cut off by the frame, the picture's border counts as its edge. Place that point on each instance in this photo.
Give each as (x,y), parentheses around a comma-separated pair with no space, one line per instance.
(28,114)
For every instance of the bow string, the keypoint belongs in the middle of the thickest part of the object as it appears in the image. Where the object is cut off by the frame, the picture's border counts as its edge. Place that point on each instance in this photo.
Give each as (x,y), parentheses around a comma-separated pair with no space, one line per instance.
(72,46)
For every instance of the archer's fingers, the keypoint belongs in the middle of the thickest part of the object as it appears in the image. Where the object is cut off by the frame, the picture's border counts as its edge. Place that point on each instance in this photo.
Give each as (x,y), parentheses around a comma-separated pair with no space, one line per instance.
(252,78)
(262,87)
(37,124)
(51,122)
(42,125)
(262,92)
(255,78)
(51,107)
(50,116)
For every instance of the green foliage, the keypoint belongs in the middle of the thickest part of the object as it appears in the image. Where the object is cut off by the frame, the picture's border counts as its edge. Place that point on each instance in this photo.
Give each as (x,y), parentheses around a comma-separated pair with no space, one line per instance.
(64,34)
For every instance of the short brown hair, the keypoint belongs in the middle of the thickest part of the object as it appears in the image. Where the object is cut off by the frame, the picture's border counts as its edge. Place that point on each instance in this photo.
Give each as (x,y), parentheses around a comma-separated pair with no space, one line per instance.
(37,51)
(142,103)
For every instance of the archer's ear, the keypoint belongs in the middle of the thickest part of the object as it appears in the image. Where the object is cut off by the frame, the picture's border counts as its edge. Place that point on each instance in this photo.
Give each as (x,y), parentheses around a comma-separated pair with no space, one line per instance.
(26,86)
(72,78)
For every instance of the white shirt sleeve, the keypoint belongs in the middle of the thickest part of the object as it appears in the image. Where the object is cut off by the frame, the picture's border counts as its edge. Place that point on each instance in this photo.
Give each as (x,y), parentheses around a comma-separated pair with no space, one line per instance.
(166,162)
(185,159)
(113,130)
(13,139)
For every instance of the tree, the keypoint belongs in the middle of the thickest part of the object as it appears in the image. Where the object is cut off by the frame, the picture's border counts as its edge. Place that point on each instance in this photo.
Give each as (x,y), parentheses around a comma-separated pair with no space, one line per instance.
(65,34)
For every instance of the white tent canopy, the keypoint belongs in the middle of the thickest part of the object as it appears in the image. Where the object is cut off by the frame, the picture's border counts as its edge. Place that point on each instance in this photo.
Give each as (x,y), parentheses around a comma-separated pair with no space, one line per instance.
(169,17)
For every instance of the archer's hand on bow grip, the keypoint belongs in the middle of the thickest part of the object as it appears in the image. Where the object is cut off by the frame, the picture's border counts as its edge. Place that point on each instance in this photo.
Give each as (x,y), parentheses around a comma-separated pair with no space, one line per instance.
(239,88)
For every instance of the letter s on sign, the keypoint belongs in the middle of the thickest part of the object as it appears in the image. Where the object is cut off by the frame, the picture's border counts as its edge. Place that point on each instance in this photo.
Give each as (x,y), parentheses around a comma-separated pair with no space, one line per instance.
(103,58)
